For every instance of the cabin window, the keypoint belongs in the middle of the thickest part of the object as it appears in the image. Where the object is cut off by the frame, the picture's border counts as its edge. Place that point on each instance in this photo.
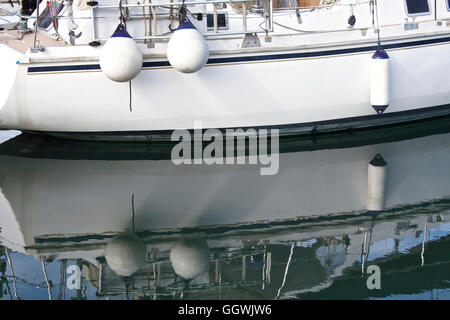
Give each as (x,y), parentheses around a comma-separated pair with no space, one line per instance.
(222,21)
(45,18)
(448,5)
(417,7)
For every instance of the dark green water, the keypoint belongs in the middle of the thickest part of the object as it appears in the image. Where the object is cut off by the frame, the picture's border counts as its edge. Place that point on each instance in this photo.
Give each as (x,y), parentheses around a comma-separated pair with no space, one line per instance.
(301,234)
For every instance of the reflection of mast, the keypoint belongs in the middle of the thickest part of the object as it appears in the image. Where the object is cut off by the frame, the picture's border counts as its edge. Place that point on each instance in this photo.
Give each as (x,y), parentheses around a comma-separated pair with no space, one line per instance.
(3,279)
(12,272)
(62,281)
(218,277)
(363,253)
(423,242)
(79,289)
(286,270)
(44,271)
(244,267)
(267,264)
(100,275)
(366,248)
(156,268)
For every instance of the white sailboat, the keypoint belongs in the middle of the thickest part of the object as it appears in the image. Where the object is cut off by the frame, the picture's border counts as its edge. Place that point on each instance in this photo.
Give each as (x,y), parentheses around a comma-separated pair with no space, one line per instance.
(300,66)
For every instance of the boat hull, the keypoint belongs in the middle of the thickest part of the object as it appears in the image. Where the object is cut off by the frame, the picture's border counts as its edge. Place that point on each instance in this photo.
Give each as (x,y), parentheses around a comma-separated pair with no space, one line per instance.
(305,91)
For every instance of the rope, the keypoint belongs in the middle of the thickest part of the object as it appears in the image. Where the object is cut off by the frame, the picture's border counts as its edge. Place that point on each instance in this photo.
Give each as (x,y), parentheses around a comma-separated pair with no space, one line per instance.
(121,16)
(311,31)
(131,106)
(145,20)
(53,9)
(423,243)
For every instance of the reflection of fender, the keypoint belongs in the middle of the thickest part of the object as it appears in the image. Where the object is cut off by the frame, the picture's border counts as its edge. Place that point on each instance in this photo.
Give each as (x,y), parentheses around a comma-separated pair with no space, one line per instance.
(9,67)
(190,257)
(125,254)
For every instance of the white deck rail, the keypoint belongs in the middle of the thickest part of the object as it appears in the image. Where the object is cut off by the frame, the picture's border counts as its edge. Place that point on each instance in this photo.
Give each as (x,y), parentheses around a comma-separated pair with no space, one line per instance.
(265,10)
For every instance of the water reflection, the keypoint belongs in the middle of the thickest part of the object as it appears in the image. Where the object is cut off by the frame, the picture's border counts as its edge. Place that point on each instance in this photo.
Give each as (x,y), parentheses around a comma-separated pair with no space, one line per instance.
(125,254)
(139,227)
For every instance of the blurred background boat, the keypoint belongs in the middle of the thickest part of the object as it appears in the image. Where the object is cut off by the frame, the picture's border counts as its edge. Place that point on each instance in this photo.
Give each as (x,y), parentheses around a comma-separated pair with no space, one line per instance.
(10,11)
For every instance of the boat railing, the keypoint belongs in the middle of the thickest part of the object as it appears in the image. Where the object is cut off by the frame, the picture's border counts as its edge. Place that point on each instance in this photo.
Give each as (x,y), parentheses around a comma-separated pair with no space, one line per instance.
(263,9)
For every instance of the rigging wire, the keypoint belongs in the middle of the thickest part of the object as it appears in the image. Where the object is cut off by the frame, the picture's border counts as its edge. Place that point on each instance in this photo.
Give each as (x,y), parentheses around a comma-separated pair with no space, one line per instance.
(286,270)
(36,24)
(378,25)
(121,16)
(62,281)
(131,97)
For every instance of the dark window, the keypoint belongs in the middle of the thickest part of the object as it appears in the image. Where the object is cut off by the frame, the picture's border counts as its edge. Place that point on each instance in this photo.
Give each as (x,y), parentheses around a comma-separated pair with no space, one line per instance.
(45,18)
(221,21)
(417,6)
(448,5)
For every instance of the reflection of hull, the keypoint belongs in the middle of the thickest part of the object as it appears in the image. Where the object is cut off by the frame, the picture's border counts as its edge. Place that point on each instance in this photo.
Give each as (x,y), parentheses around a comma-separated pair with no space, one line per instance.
(33,146)
(83,197)
(294,234)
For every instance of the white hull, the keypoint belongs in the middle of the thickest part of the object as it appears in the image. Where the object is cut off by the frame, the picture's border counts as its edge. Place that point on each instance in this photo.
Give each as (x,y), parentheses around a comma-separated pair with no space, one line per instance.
(310,82)
(300,91)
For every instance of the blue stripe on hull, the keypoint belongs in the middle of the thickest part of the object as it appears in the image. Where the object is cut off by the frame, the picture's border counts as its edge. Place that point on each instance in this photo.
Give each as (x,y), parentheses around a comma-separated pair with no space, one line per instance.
(283,56)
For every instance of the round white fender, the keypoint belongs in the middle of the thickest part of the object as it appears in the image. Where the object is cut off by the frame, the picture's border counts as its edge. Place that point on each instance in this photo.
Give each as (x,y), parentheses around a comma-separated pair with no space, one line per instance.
(379,81)
(120,58)
(125,254)
(190,257)
(187,50)
(376,184)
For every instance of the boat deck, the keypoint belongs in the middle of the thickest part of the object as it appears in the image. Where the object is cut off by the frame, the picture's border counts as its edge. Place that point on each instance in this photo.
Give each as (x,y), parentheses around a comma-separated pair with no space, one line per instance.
(21,41)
